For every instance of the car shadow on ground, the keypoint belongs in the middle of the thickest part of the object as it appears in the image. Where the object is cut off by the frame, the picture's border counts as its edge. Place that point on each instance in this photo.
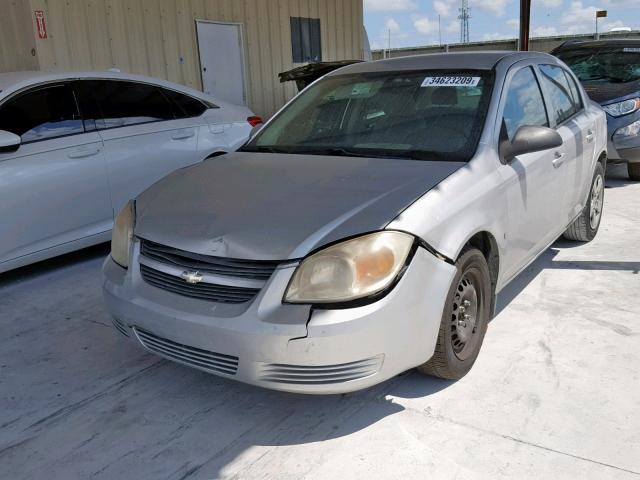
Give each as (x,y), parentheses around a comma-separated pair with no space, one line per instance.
(278,419)
(547,261)
(55,264)
(617,176)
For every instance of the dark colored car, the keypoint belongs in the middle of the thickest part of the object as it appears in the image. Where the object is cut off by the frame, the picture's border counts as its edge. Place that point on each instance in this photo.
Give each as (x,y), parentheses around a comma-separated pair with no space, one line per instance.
(610,73)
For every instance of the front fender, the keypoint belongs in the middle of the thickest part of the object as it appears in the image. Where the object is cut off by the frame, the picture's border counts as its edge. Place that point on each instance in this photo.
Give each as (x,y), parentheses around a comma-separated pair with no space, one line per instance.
(470,201)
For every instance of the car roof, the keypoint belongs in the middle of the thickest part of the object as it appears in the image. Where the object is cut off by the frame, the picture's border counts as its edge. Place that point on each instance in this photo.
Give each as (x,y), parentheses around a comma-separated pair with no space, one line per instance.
(612,42)
(480,60)
(13,81)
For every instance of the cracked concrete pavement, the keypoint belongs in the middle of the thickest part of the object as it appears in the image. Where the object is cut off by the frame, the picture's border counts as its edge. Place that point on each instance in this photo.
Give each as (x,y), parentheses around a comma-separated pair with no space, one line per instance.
(555,392)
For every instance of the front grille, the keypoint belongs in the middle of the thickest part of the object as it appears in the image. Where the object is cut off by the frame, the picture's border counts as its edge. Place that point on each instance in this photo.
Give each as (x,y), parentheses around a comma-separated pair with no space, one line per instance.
(203,291)
(194,357)
(232,267)
(325,374)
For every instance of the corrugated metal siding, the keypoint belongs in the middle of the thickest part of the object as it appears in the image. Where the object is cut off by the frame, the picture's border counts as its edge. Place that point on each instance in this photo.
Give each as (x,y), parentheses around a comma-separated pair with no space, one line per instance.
(158,38)
(16,36)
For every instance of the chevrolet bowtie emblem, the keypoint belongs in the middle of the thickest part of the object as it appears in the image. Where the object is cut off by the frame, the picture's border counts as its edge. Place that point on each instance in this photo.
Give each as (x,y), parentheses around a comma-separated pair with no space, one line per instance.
(191,277)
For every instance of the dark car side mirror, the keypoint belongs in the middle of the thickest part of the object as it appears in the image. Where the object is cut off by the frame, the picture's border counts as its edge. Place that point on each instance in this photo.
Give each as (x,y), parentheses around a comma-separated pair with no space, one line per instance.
(9,142)
(529,139)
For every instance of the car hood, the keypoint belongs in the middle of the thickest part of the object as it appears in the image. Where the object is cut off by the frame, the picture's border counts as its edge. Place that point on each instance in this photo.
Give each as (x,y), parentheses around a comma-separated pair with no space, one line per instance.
(604,93)
(307,74)
(264,206)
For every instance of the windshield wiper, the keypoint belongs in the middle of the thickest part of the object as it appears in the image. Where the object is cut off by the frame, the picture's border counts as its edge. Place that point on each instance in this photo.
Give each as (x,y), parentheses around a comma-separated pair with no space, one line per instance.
(348,152)
(611,79)
(427,155)
(263,149)
(339,152)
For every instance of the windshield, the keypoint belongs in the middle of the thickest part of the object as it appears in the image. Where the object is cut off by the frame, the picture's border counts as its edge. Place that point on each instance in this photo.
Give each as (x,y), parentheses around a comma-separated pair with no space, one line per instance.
(434,115)
(605,65)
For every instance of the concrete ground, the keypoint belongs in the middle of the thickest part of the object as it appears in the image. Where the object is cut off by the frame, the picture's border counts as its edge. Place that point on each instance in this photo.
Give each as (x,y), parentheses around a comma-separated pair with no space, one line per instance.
(555,392)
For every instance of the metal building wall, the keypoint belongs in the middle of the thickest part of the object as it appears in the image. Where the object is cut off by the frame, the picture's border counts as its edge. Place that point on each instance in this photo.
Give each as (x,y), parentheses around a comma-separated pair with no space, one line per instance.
(16,36)
(158,38)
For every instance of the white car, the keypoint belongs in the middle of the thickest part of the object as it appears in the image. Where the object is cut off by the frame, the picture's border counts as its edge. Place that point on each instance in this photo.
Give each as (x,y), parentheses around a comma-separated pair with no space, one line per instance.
(75,147)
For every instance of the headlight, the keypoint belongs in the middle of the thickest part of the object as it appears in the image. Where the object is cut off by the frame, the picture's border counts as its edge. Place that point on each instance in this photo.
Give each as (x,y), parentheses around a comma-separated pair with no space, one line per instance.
(123,234)
(350,270)
(622,108)
(630,130)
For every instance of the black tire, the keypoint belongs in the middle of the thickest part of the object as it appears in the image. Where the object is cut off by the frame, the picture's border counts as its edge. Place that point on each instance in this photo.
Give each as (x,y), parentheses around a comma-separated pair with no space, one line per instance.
(583,229)
(634,171)
(453,358)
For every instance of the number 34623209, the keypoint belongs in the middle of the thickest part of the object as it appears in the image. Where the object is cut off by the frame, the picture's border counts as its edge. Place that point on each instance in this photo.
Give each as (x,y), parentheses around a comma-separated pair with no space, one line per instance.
(451,81)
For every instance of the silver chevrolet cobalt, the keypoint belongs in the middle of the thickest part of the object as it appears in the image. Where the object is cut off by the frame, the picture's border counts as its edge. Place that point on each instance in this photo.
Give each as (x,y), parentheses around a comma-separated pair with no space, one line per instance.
(367,228)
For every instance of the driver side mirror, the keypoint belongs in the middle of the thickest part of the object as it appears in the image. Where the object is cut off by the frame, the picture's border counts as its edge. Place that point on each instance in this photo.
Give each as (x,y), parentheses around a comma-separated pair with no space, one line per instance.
(9,142)
(529,139)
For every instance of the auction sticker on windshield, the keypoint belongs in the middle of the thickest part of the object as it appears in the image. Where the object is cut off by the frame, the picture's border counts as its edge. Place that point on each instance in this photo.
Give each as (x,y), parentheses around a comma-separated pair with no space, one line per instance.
(451,81)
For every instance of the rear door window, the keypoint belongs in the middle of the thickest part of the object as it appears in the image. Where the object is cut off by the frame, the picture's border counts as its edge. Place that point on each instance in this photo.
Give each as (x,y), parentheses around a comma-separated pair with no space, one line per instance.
(123,103)
(524,105)
(41,114)
(575,93)
(557,86)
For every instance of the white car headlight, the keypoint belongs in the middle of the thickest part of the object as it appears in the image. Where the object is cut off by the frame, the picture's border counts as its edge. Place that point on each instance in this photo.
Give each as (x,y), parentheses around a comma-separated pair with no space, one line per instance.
(123,234)
(351,270)
(631,130)
(622,108)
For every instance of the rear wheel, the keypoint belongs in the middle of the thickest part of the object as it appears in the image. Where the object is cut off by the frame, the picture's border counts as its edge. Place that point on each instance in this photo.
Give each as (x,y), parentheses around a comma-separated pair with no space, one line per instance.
(634,170)
(585,227)
(464,319)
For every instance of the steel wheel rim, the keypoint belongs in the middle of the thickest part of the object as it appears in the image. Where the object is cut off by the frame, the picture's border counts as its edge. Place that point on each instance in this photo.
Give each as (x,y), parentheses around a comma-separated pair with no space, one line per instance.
(595,202)
(464,316)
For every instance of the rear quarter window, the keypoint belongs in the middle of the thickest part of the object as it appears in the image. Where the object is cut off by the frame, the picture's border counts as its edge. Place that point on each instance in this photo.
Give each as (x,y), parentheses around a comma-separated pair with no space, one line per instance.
(186,105)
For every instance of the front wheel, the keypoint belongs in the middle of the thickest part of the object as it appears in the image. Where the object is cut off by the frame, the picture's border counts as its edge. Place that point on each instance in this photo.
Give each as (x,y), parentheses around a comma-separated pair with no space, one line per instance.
(465,317)
(585,227)
(634,171)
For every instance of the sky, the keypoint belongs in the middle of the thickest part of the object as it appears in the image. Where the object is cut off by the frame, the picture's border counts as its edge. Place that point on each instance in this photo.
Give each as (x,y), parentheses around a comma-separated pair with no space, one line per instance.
(415,22)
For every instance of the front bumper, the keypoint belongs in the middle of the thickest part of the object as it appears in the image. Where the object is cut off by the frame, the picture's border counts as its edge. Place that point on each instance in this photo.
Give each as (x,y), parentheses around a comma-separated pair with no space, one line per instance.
(287,347)
(625,149)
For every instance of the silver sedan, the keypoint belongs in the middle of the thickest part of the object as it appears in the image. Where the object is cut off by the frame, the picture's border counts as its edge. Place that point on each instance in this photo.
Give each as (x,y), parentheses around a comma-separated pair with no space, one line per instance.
(367,227)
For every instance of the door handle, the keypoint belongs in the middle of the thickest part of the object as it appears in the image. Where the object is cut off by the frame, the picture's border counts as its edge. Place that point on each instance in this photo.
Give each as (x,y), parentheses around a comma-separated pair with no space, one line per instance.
(183,134)
(84,152)
(216,127)
(589,136)
(558,159)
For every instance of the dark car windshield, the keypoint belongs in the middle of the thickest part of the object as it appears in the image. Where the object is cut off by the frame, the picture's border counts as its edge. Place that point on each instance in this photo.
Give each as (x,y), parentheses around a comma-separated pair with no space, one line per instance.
(604,65)
(433,115)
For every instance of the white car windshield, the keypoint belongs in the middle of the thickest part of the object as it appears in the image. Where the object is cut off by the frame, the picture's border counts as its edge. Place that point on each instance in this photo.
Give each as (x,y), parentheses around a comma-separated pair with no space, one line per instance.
(429,114)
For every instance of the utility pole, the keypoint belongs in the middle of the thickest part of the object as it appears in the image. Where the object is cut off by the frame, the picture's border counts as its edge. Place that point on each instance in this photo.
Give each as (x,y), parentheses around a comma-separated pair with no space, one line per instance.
(464,21)
(439,32)
(525,19)
(389,42)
